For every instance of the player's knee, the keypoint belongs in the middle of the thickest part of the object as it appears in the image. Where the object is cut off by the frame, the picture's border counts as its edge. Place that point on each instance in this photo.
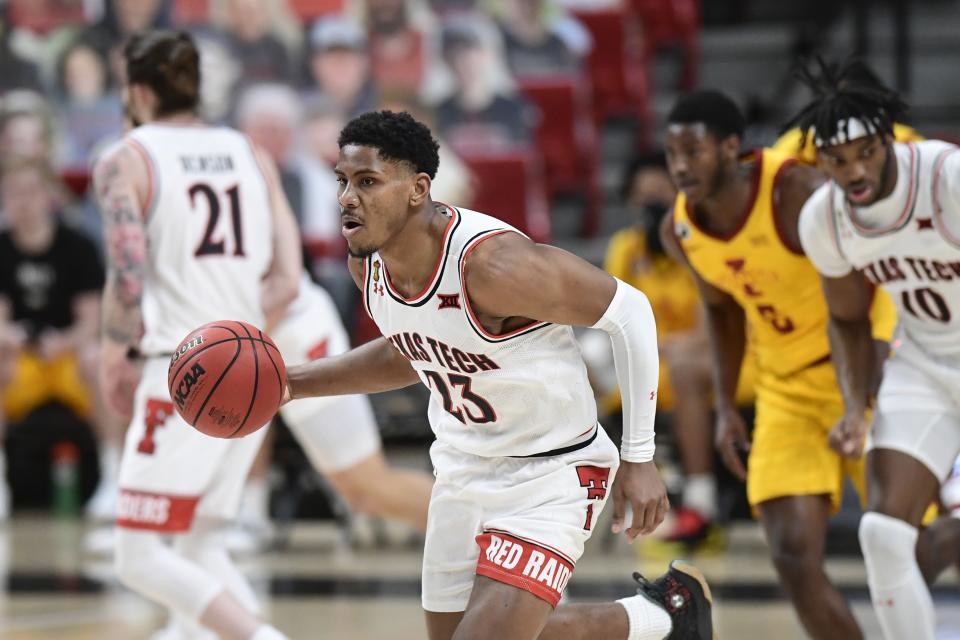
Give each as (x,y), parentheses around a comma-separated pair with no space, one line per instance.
(885,539)
(133,558)
(796,556)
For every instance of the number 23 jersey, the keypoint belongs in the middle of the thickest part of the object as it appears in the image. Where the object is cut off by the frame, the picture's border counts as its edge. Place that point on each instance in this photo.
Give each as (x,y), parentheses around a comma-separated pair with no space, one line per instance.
(908,243)
(520,393)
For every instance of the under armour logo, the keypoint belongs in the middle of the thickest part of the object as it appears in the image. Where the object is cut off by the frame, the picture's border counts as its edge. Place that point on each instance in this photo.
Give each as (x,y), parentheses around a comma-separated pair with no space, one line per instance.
(378,289)
(449,301)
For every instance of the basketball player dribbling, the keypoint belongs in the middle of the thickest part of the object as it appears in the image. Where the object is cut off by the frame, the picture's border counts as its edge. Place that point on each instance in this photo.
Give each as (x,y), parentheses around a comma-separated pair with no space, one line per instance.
(890,217)
(481,315)
(196,229)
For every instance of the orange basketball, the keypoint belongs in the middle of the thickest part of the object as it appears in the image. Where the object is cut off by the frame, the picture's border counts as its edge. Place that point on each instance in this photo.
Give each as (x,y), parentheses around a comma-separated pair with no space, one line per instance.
(226,379)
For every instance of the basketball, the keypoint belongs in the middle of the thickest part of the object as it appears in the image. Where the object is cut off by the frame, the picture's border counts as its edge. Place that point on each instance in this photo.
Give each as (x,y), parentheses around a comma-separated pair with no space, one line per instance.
(226,379)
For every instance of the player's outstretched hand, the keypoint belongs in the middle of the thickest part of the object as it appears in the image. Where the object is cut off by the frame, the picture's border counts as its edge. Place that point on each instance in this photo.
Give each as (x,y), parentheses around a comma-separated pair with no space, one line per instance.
(849,435)
(639,484)
(731,439)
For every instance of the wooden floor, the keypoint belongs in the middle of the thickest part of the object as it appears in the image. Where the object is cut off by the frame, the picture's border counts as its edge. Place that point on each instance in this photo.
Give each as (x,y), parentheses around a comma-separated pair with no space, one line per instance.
(317,588)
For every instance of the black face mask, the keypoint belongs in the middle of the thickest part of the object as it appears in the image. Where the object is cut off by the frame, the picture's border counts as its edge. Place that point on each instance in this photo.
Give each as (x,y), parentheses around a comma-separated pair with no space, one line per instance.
(652,215)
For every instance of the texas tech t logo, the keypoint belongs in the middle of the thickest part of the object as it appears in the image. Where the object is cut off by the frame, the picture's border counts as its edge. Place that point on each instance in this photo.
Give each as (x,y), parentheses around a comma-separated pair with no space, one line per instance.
(449,301)
(595,480)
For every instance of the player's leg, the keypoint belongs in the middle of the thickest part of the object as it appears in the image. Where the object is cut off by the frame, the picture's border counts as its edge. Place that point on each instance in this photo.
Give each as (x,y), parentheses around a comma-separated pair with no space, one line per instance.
(109,429)
(899,489)
(171,474)
(794,482)
(938,547)
(795,528)
(690,381)
(676,605)
(341,439)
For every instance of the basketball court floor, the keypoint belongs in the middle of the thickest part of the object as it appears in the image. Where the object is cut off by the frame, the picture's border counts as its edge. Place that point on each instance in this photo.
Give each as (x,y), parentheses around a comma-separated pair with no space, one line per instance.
(318,587)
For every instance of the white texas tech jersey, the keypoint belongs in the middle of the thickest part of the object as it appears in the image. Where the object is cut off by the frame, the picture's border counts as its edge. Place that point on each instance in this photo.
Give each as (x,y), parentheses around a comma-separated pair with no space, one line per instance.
(915,256)
(209,230)
(521,393)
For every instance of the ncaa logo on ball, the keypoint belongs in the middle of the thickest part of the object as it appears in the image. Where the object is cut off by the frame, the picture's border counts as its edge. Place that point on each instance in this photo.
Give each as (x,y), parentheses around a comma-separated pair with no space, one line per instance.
(190,379)
(196,342)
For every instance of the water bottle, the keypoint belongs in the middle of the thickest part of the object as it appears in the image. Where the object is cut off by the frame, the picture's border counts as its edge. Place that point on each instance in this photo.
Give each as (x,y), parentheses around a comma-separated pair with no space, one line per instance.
(65,476)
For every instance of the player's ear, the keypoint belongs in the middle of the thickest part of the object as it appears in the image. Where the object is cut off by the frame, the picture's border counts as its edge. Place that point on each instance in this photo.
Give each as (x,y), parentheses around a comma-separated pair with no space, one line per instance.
(421,189)
(730,147)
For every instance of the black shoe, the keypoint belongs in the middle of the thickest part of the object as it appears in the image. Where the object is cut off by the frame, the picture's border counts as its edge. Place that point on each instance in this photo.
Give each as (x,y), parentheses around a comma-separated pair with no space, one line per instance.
(684,594)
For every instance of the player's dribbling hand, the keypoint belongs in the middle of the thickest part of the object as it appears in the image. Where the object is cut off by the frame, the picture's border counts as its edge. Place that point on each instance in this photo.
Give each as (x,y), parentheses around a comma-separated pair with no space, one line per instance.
(849,434)
(639,484)
(731,439)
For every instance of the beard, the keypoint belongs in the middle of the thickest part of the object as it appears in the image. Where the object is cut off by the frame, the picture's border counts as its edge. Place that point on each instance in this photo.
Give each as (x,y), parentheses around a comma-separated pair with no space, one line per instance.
(361,252)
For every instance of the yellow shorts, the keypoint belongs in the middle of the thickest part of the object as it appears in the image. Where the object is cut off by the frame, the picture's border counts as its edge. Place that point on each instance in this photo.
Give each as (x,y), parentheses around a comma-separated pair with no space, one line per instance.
(790,455)
(36,382)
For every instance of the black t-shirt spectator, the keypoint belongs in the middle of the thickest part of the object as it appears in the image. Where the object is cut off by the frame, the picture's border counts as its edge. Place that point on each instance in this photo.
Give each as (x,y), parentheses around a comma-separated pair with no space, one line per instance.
(550,57)
(42,287)
(505,122)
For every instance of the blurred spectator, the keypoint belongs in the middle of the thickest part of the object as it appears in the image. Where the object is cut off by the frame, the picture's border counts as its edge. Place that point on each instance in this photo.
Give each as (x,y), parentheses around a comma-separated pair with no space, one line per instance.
(90,112)
(340,66)
(481,115)
(121,19)
(50,283)
(247,26)
(221,73)
(26,128)
(446,9)
(452,184)
(533,47)
(399,50)
(15,72)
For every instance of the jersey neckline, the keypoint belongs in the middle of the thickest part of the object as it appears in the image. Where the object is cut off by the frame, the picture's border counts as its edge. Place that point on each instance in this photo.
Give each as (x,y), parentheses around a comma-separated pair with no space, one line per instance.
(430,287)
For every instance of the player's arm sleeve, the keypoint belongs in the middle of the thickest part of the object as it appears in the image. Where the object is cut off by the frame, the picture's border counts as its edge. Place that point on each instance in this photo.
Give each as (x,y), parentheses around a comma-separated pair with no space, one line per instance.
(633,331)
(819,242)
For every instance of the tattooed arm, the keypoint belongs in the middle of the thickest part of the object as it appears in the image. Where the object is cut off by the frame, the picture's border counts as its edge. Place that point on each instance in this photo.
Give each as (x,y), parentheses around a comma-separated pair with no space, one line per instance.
(121,180)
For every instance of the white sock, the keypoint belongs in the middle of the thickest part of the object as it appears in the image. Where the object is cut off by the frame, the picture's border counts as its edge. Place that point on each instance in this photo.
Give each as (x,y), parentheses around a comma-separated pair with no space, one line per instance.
(205,545)
(646,621)
(900,596)
(700,494)
(267,632)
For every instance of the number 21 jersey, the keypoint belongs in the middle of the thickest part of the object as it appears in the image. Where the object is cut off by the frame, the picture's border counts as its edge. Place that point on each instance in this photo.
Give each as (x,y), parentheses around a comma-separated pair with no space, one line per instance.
(517,394)
(209,230)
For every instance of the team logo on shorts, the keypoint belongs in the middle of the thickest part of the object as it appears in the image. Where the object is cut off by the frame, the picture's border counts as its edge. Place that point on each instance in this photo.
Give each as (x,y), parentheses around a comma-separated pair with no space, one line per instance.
(449,301)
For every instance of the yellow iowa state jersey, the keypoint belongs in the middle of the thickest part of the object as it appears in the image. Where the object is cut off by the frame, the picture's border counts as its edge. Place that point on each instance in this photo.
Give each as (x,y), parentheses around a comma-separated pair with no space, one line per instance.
(778,289)
(669,287)
(789,142)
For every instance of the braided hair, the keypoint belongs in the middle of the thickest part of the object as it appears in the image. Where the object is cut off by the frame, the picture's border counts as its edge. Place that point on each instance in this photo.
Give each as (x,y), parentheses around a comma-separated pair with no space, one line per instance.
(845,93)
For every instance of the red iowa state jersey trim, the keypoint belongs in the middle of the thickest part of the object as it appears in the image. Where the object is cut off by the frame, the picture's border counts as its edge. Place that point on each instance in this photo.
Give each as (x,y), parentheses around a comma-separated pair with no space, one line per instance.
(472,320)
(431,287)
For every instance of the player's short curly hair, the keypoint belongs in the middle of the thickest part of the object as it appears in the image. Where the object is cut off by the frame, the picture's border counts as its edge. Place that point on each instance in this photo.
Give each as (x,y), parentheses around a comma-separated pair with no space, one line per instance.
(715,110)
(396,136)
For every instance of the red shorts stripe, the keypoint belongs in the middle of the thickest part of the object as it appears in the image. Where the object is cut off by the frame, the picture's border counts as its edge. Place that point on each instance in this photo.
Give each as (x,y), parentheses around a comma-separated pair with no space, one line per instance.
(524,564)
(155,511)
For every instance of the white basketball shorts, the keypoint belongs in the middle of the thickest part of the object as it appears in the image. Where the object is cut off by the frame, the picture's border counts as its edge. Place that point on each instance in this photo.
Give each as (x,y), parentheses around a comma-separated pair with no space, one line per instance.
(918,408)
(336,432)
(520,521)
(170,472)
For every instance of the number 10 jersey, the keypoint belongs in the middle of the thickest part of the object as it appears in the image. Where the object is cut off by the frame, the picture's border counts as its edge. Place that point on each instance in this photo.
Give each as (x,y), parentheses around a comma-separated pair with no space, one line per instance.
(209,230)
(908,243)
(517,394)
